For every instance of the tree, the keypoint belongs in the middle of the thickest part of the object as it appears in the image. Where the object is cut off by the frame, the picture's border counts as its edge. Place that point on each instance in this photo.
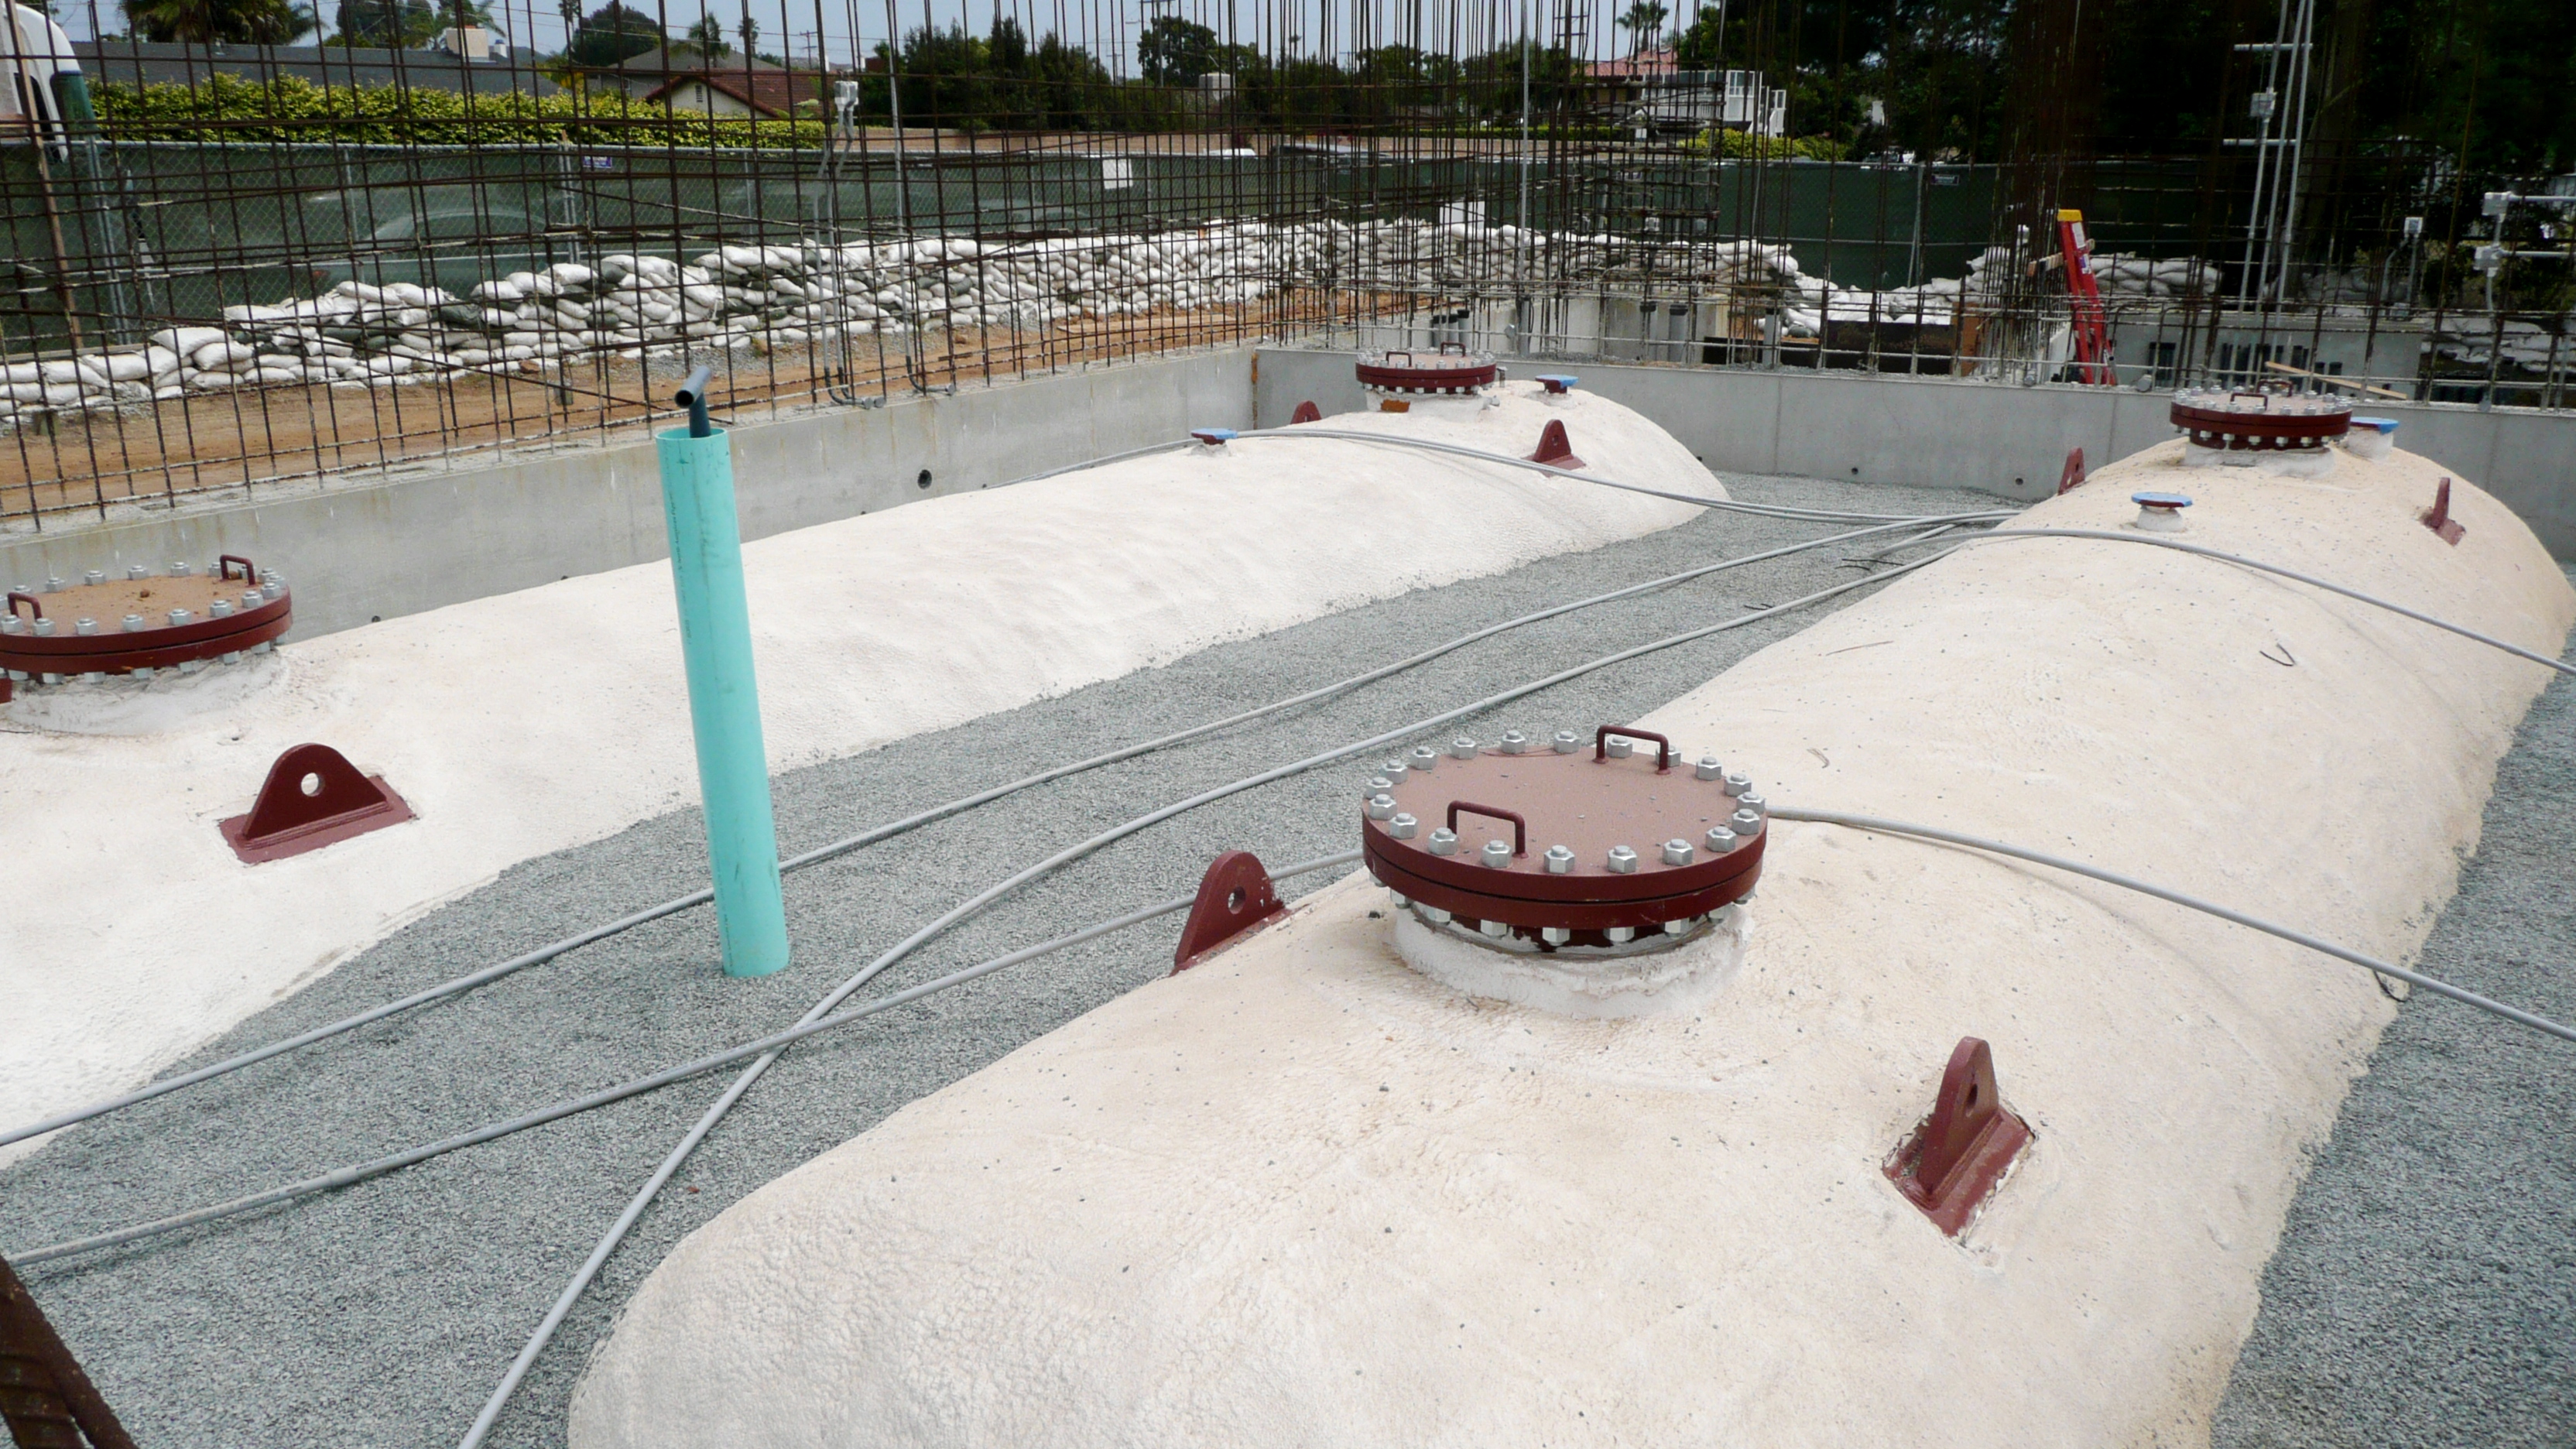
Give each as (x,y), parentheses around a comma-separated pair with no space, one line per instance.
(570,10)
(613,33)
(1176,52)
(220,22)
(750,31)
(706,37)
(1645,22)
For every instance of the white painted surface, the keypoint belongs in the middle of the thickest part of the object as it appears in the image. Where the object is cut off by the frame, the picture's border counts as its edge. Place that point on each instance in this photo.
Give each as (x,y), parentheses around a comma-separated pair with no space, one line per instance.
(529,722)
(1302,1195)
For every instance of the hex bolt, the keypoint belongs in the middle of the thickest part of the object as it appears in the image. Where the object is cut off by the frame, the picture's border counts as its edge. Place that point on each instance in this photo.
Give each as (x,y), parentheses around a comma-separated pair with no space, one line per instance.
(178,568)
(1444,841)
(1381,807)
(1434,915)
(274,583)
(1398,898)
(1555,935)
(1738,782)
(134,623)
(53,585)
(1514,742)
(1745,823)
(1620,935)
(1495,929)
(1567,742)
(1402,826)
(94,576)
(251,599)
(140,673)
(134,572)
(1708,768)
(1719,840)
(85,626)
(1377,785)
(1423,758)
(220,609)
(44,628)
(1462,748)
(1559,860)
(10,623)
(1754,803)
(179,617)
(1394,770)
(1680,928)
(1623,860)
(1498,854)
(1677,851)
(1622,749)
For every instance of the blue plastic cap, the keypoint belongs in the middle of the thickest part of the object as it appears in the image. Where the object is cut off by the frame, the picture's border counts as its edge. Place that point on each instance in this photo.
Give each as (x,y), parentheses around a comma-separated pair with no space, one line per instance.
(2161,500)
(2376,425)
(1213,436)
(1558,382)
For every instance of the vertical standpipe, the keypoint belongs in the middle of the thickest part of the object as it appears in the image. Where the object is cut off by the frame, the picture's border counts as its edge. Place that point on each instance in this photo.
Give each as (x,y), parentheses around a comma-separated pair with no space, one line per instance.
(724,699)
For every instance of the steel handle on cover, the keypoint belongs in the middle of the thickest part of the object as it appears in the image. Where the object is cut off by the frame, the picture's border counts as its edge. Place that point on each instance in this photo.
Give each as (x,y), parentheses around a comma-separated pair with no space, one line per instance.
(15,597)
(224,568)
(1663,747)
(1520,827)
(1392,353)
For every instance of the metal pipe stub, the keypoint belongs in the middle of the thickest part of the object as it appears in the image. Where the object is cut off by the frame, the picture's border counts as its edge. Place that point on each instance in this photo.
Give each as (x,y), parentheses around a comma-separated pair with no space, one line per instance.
(1610,844)
(1452,371)
(2253,420)
(140,623)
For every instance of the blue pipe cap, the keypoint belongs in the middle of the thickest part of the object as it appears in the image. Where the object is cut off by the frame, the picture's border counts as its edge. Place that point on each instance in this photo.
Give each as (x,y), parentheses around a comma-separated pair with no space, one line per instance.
(2381,426)
(2161,500)
(1213,437)
(1558,383)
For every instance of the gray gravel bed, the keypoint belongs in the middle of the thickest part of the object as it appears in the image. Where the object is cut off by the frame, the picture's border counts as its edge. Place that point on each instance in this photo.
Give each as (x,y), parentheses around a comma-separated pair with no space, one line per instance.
(383,1314)
(2425,1288)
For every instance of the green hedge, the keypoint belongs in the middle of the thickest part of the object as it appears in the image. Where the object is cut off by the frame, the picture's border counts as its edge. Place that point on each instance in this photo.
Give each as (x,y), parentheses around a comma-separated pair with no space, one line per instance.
(1744,146)
(229,108)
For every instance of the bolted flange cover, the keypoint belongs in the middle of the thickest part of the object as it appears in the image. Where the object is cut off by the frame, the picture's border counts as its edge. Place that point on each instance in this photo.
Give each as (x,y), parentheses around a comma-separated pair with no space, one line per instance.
(1612,848)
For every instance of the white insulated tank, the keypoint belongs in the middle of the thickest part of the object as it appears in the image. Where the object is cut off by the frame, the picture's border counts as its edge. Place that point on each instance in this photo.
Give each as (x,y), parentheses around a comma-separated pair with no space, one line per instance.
(1303,1195)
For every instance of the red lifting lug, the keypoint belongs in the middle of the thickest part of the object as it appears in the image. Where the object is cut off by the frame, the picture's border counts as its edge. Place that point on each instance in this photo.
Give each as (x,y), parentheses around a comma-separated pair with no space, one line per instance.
(314,797)
(1956,1157)
(1553,449)
(2438,518)
(2073,476)
(1235,898)
(1306,412)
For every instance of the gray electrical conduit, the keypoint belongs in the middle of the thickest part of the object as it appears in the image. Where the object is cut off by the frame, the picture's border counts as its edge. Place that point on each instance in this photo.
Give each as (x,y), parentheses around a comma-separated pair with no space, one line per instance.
(2107,536)
(360,1172)
(549,952)
(715,1113)
(2297,937)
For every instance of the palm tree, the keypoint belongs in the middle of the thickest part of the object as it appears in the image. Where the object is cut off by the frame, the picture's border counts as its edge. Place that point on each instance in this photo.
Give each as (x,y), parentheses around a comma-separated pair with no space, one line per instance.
(1645,22)
(706,36)
(750,31)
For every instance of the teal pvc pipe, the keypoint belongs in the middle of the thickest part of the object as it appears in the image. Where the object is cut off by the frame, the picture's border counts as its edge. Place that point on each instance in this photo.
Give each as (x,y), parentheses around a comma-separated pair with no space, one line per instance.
(724,699)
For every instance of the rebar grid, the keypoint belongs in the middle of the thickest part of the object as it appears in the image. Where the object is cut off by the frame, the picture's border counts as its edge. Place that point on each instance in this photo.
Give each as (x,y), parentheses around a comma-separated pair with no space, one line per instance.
(265,265)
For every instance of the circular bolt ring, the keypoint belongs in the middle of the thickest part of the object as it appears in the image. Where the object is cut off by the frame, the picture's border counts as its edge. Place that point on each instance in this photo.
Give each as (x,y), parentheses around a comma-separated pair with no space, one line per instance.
(1520,827)
(1663,747)
(16,598)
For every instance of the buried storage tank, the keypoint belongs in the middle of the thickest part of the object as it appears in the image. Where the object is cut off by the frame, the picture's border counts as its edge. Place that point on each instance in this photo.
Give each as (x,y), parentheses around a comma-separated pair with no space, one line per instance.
(1305,1193)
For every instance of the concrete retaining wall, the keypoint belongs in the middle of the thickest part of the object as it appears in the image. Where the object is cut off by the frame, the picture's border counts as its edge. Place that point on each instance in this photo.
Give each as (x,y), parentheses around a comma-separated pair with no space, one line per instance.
(423,540)
(1937,432)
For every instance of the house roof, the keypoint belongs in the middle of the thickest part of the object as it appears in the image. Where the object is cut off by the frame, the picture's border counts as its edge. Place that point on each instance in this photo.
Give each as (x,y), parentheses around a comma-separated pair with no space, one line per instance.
(1659,61)
(767,89)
